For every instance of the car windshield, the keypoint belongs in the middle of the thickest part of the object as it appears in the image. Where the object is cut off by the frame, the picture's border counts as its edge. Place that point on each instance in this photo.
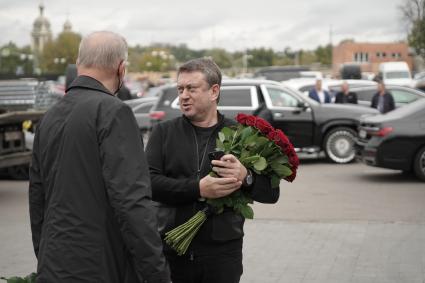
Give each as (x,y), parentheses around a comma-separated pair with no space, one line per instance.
(398,75)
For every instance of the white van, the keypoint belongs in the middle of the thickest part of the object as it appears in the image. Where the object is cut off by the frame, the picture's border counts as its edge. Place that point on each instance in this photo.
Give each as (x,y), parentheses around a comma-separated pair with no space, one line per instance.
(395,73)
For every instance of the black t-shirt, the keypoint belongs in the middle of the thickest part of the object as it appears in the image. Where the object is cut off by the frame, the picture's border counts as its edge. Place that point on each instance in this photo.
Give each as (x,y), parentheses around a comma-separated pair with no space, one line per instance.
(204,136)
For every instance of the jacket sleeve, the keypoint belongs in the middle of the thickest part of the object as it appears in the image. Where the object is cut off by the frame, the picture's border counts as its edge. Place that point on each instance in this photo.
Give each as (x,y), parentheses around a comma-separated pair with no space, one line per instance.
(261,190)
(166,189)
(126,178)
(391,102)
(36,197)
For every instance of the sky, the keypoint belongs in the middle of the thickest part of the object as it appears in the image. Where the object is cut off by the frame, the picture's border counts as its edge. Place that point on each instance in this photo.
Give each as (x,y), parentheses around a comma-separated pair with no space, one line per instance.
(234,25)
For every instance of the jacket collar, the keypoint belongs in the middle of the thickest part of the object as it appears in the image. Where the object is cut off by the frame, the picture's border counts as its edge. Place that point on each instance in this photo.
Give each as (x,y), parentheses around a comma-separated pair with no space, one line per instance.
(220,119)
(88,83)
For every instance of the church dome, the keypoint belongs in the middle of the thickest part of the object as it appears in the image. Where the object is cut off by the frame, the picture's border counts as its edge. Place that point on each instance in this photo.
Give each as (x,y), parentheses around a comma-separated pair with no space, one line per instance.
(41,23)
(67,26)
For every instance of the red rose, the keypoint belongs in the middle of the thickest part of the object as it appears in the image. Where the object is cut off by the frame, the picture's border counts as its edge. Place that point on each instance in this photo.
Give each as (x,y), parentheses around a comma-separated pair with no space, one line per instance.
(250,120)
(263,126)
(291,177)
(293,160)
(283,140)
(272,135)
(241,118)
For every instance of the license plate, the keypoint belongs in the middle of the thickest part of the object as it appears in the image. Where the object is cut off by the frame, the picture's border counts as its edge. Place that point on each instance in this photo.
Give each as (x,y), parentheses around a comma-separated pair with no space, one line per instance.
(12,136)
(362,134)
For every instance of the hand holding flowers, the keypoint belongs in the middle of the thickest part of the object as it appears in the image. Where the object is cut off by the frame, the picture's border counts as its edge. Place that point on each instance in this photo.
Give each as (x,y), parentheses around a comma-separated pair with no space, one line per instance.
(254,145)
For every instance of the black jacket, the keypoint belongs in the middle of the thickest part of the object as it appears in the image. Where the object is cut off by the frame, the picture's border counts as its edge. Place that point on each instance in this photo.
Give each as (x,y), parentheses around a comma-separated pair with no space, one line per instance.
(173,163)
(90,202)
(340,97)
(388,102)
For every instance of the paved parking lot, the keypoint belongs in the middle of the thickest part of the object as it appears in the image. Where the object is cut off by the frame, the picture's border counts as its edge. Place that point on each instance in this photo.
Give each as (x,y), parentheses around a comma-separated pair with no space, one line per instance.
(335,223)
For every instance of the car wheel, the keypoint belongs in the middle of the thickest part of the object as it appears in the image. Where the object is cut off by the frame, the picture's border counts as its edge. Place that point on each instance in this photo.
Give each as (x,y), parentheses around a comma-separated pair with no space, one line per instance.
(339,145)
(419,164)
(20,172)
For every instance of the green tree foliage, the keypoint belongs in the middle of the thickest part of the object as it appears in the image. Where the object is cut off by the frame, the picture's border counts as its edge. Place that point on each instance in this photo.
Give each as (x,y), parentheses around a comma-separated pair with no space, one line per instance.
(324,54)
(413,12)
(261,57)
(15,60)
(156,60)
(58,53)
(221,57)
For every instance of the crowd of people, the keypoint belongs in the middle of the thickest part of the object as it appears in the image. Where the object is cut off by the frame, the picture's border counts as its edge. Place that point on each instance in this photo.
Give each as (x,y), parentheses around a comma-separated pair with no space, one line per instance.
(382,99)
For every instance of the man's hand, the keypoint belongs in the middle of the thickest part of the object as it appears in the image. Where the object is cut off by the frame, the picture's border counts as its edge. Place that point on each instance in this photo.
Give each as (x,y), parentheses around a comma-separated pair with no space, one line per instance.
(211,187)
(229,166)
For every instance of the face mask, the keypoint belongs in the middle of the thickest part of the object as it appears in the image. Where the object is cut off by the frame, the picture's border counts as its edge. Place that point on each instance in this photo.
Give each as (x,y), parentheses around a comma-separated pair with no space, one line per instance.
(120,82)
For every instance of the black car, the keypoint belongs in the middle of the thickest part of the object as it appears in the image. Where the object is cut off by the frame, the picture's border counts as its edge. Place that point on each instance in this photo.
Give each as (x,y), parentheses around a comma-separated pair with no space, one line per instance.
(395,140)
(312,127)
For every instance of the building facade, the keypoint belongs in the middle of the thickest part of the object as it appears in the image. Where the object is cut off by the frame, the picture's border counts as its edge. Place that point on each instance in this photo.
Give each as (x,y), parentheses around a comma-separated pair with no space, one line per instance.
(41,32)
(369,55)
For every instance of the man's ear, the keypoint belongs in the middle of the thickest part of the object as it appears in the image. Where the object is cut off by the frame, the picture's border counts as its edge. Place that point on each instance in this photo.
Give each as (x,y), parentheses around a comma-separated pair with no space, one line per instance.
(215,92)
(121,68)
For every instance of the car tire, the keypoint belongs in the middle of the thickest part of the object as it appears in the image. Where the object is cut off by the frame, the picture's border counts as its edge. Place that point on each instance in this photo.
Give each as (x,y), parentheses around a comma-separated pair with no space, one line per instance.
(339,145)
(419,164)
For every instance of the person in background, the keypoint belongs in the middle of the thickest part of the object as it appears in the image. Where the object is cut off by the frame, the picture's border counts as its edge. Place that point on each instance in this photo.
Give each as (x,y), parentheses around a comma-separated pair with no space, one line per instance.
(91,213)
(345,95)
(319,94)
(124,93)
(383,99)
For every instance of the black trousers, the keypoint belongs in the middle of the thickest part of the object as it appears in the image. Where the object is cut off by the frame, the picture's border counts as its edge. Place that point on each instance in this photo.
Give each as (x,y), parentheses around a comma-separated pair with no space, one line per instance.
(223,268)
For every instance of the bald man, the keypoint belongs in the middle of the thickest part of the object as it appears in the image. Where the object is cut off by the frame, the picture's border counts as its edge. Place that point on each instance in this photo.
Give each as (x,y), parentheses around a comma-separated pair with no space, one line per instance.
(90,197)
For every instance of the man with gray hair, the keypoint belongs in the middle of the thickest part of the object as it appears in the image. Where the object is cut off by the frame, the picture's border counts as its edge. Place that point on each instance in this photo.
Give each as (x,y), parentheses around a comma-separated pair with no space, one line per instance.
(90,198)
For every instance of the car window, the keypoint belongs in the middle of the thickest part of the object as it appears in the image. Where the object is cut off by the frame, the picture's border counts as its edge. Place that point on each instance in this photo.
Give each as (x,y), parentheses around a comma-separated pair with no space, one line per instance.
(235,97)
(280,98)
(306,88)
(144,108)
(167,97)
(365,95)
(401,96)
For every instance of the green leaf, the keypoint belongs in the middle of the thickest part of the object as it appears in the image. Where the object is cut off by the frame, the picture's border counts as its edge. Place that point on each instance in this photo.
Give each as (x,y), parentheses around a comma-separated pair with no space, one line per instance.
(221,136)
(228,133)
(250,159)
(246,132)
(261,141)
(247,212)
(250,140)
(260,164)
(281,159)
(219,145)
(281,170)
(275,181)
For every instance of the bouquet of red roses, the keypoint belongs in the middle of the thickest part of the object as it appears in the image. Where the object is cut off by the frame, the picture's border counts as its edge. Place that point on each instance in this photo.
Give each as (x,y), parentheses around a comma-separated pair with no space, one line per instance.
(261,149)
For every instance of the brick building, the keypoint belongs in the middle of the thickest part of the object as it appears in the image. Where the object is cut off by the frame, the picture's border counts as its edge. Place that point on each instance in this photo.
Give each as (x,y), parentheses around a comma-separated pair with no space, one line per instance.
(369,55)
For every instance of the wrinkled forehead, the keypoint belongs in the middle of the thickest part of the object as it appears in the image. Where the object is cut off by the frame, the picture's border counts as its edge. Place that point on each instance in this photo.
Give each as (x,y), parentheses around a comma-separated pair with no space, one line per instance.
(191,78)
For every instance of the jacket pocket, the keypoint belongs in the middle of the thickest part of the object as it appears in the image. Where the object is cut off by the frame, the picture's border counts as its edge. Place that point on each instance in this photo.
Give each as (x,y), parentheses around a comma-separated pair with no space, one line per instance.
(227,226)
(165,216)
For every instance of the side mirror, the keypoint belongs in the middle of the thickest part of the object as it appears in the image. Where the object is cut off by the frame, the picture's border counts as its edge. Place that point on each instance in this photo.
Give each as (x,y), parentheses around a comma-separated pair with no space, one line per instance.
(303,105)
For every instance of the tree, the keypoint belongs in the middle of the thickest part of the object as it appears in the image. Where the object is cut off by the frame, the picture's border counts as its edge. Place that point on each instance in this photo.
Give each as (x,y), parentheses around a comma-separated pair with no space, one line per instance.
(413,12)
(57,54)
(324,54)
(156,60)
(15,60)
(221,57)
(261,57)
